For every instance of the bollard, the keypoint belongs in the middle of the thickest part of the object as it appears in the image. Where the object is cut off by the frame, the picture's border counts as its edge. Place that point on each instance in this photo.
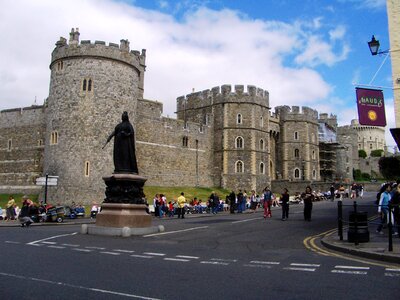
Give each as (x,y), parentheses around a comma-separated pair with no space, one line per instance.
(355,223)
(390,229)
(340,220)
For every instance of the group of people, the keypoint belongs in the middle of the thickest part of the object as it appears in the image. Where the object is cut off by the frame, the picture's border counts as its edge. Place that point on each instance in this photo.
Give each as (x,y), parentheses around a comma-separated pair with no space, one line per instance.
(388,201)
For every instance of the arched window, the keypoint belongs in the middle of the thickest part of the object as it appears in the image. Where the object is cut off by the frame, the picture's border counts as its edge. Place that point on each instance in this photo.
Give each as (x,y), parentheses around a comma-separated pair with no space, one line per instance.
(239,142)
(9,145)
(262,168)
(296,153)
(313,154)
(239,167)
(90,85)
(239,119)
(261,144)
(297,173)
(84,85)
(185,141)
(87,169)
(261,122)
(54,138)
(314,174)
(296,135)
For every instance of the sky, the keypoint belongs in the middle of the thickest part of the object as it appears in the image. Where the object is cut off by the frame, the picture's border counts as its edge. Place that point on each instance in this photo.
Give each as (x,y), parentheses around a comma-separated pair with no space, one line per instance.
(303,52)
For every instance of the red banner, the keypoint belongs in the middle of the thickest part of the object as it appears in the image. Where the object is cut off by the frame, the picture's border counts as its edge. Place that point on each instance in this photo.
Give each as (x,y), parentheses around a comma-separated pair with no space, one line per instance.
(371,107)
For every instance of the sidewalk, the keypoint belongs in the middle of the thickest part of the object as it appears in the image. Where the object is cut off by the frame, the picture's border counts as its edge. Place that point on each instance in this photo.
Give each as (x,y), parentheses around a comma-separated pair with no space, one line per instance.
(77,221)
(376,248)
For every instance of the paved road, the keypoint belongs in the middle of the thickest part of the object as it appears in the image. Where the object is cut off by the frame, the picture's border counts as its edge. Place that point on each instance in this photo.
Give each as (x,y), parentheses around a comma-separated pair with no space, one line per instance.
(239,256)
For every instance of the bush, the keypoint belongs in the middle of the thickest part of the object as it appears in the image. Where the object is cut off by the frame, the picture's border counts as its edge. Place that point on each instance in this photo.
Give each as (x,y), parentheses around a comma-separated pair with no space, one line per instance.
(376,153)
(362,153)
(389,167)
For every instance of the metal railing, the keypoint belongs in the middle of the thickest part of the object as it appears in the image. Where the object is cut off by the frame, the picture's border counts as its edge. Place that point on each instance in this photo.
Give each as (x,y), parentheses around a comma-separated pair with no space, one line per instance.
(356,222)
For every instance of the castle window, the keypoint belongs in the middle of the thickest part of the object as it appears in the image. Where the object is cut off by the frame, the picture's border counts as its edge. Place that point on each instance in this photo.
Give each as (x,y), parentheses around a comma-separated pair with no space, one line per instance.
(262,168)
(261,144)
(185,141)
(239,168)
(296,135)
(54,138)
(201,129)
(87,169)
(313,154)
(314,174)
(87,85)
(297,173)
(370,146)
(359,146)
(40,142)
(296,153)
(60,65)
(239,142)
(239,119)
(9,145)
(261,122)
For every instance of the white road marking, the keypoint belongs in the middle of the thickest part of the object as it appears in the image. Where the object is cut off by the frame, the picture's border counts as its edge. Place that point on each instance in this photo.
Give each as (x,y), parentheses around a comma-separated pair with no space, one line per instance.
(257,266)
(392,270)
(392,274)
(224,260)
(70,245)
(110,253)
(352,267)
(176,259)
(50,238)
(214,263)
(82,250)
(247,220)
(11,242)
(188,257)
(153,254)
(300,269)
(176,231)
(304,265)
(49,243)
(265,262)
(123,251)
(56,247)
(349,272)
(141,256)
(95,248)
(78,286)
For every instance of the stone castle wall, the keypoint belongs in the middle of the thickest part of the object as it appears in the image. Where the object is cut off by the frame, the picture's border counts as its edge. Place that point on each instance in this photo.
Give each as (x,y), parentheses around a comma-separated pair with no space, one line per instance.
(21,145)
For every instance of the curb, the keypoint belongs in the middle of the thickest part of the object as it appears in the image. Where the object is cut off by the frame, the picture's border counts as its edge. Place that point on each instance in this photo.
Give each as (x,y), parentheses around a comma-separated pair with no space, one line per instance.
(370,255)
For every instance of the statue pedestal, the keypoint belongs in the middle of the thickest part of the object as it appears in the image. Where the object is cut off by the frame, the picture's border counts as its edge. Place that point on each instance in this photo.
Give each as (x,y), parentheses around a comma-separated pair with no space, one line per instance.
(123,212)
(123,215)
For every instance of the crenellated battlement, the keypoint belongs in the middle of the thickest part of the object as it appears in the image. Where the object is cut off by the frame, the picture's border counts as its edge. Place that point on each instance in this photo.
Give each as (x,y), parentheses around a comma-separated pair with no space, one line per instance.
(223,94)
(296,113)
(86,48)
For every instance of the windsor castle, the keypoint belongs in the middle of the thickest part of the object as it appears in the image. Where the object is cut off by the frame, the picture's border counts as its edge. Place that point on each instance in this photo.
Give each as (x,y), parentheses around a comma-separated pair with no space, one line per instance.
(227,136)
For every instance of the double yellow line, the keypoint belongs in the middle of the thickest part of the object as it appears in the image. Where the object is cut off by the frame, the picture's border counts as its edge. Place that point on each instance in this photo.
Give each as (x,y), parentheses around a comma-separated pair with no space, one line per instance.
(310,244)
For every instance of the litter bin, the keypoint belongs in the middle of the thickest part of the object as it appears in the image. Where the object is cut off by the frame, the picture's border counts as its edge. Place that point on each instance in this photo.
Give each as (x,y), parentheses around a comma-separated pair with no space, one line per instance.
(362,233)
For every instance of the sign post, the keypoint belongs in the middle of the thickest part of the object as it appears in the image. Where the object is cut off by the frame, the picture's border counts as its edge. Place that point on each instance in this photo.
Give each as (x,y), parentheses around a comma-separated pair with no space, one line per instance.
(47,181)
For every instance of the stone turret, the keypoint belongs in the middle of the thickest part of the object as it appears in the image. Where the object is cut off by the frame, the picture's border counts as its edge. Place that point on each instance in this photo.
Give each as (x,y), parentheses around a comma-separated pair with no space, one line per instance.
(90,86)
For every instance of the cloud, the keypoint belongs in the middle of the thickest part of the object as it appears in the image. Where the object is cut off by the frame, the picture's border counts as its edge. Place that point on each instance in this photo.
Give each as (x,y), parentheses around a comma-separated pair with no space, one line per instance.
(205,48)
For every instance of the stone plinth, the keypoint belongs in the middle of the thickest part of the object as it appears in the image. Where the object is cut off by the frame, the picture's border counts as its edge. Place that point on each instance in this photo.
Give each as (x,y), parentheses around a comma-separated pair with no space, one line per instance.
(124,188)
(123,215)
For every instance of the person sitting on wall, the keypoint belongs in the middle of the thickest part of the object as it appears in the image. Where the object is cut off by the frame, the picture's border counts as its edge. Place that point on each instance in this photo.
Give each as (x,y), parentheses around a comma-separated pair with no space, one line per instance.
(94,210)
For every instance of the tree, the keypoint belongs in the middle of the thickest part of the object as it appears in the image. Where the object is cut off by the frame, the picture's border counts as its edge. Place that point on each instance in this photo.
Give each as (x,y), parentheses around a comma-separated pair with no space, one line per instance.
(390,167)
(376,153)
(362,153)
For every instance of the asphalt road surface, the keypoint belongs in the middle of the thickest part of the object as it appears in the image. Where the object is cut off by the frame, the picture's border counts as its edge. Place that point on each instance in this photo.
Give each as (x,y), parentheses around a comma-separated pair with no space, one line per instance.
(224,256)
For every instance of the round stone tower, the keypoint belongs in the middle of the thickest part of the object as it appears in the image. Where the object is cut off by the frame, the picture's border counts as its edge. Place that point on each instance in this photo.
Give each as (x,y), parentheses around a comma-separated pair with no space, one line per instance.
(91,85)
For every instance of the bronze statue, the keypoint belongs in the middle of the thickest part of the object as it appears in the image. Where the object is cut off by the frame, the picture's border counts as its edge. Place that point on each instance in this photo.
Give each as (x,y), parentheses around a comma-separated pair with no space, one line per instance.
(124,147)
